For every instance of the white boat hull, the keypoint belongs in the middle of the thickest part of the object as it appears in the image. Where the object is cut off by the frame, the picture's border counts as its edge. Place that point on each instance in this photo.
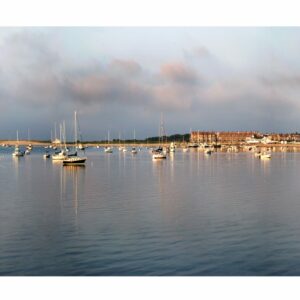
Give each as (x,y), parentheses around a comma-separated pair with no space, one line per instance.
(157,156)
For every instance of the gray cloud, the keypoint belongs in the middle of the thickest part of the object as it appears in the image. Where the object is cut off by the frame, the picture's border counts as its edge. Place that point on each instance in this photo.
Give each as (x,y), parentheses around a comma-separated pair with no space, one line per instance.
(125,67)
(199,89)
(178,73)
(281,80)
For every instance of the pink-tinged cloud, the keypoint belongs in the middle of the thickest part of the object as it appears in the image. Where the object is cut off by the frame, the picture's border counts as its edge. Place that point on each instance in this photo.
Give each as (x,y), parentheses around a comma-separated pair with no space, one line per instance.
(129,67)
(178,73)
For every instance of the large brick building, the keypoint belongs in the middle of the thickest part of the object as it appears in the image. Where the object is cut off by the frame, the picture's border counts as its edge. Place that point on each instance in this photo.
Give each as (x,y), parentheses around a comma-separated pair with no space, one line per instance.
(226,137)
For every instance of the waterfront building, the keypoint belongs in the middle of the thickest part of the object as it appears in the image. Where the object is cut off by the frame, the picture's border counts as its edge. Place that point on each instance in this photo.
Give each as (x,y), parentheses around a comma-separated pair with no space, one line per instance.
(222,137)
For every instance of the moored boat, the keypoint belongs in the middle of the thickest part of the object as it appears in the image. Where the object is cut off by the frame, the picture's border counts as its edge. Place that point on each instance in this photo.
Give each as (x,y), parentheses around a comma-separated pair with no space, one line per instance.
(18,152)
(265,155)
(74,160)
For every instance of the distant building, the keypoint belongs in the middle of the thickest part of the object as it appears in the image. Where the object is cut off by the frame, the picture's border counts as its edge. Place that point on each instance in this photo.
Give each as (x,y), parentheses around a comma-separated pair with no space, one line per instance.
(203,137)
(56,141)
(226,137)
(285,137)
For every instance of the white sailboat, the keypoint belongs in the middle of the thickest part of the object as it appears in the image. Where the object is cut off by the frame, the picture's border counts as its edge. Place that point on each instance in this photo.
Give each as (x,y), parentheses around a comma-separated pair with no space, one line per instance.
(108,149)
(158,153)
(120,147)
(18,152)
(172,147)
(74,159)
(265,155)
(77,133)
(133,150)
(185,148)
(29,146)
(63,152)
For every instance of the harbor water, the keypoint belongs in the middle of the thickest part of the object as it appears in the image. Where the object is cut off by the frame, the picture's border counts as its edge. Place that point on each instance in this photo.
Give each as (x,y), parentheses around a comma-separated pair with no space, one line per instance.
(126,215)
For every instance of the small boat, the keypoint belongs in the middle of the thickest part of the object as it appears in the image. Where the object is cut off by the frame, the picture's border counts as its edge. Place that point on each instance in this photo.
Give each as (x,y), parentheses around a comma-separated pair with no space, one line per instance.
(159,155)
(46,155)
(265,155)
(108,150)
(257,154)
(60,155)
(74,160)
(80,147)
(134,151)
(124,149)
(208,151)
(185,149)
(27,151)
(172,147)
(17,152)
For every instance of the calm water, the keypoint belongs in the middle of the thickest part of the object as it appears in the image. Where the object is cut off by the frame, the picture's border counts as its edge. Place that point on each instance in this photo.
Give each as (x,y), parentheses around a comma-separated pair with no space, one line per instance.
(228,214)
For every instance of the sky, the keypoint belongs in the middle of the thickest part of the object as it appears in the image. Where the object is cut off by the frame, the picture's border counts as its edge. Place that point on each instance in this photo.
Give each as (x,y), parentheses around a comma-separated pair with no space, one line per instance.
(120,79)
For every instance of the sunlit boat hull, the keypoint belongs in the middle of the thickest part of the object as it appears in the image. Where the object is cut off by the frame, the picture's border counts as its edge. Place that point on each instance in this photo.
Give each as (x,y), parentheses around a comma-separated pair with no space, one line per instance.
(74,161)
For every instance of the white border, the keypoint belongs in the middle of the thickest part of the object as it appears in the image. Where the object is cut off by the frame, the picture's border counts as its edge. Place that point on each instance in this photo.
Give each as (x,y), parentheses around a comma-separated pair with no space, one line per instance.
(149,13)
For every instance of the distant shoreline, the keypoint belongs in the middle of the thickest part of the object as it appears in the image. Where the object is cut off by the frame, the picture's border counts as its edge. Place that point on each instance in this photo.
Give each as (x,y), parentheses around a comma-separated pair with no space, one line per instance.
(145,144)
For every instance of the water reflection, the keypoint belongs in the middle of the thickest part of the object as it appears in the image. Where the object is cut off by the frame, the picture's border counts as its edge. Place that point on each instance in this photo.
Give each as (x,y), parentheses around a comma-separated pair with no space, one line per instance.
(227,214)
(71,185)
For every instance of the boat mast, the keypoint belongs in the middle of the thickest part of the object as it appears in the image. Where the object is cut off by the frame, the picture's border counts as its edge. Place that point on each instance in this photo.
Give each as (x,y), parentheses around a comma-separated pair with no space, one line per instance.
(64,134)
(75,128)
(60,135)
(55,137)
(161,130)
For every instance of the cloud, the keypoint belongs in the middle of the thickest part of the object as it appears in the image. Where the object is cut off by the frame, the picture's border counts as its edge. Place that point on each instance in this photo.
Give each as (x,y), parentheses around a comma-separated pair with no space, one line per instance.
(281,80)
(125,67)
(202,52)
(36,73)
(102,88)
(178,73)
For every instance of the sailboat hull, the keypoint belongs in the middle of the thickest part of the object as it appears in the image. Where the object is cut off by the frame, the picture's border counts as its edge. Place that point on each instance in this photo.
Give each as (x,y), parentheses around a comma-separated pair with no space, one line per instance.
(74,161)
